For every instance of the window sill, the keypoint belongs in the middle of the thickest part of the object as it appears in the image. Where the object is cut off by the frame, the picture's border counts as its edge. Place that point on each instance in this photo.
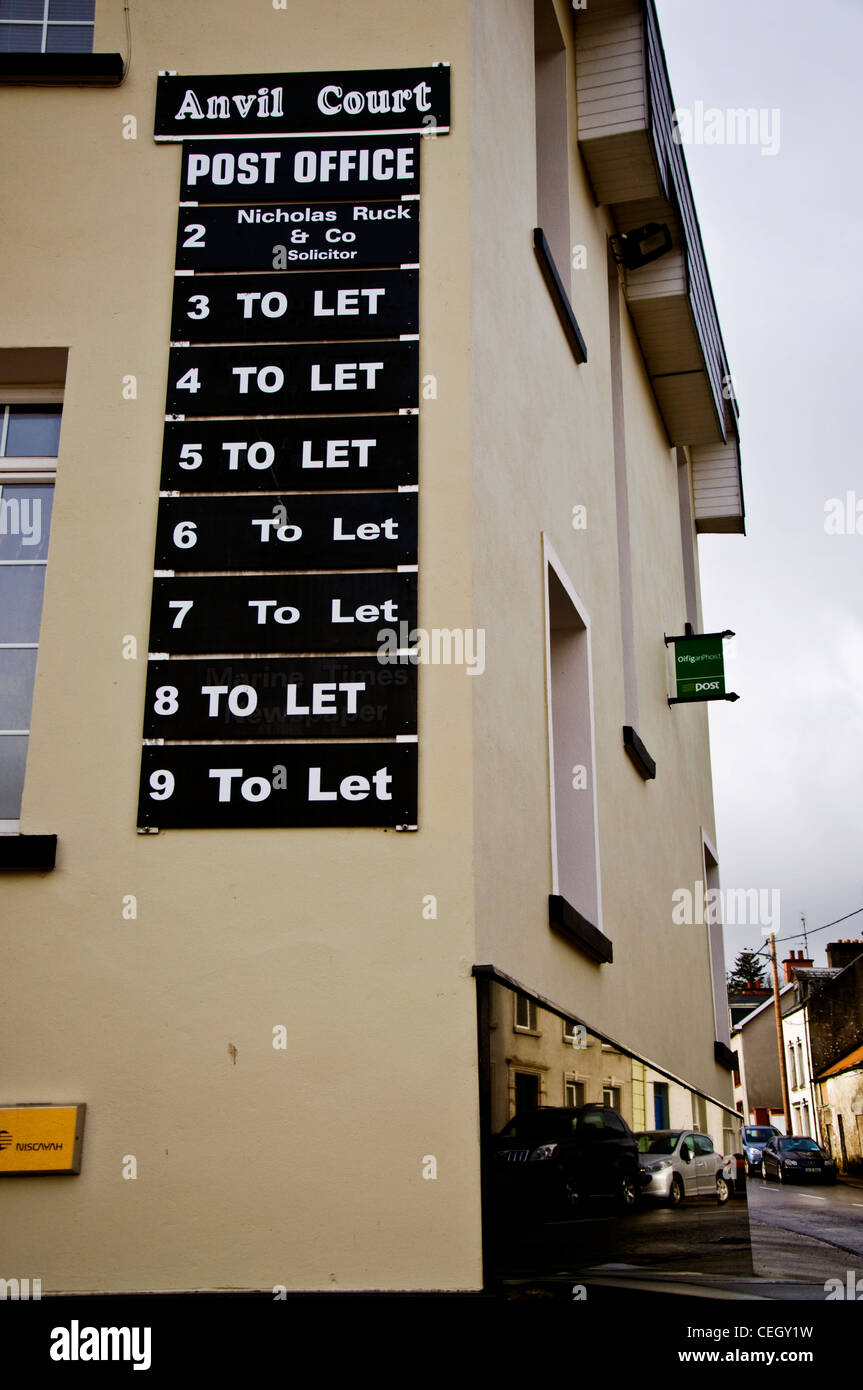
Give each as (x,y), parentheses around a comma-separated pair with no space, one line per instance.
(562,917)
(638,754)
(57,69)
(28,852)
(723,1055)
(568,321)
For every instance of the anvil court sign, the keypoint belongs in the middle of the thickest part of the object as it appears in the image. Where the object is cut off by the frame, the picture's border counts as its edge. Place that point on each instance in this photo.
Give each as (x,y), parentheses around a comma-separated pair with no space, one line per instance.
(303,103)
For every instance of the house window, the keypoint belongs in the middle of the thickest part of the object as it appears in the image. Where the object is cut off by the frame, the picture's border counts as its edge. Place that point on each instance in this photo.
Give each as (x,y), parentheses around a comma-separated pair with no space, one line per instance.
(552,140)
(46,26)
(525,1014)
(573,1091)
(527,1091)
(29,440)
(660,1105)
(574,838)
(611,1097)
(699,1113)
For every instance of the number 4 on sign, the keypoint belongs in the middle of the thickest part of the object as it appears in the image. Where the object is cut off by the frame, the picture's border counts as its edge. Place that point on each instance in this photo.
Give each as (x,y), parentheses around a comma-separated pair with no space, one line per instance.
(189,381)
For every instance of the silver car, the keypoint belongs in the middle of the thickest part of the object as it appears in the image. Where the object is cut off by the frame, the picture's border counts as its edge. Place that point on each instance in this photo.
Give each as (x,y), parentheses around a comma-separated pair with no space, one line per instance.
(680,1163)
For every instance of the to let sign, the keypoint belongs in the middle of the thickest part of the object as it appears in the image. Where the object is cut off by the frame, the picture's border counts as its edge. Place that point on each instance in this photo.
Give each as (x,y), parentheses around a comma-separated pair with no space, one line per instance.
(304,455)
(280,697)
(277,307)
(287,785)
(314,379)
(322,531)
(197,614)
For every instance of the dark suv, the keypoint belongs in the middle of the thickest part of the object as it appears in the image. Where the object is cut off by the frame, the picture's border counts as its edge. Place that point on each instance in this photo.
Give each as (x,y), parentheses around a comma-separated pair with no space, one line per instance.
(554,1157)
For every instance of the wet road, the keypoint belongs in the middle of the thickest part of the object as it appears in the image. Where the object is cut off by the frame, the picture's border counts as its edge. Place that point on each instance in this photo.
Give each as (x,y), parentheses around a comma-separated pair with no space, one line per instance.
(776,1233)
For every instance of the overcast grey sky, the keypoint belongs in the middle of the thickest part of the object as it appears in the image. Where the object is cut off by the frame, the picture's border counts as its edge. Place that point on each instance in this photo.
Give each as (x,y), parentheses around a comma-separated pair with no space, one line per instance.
(783,242)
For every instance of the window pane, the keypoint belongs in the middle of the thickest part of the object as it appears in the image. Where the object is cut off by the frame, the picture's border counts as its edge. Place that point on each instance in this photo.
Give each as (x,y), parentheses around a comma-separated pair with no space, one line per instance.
(21,9)
(68,38)
(21,591)
(25,520)
(13,756)
(34,431)
(20,38)
(17,673)
(72,9)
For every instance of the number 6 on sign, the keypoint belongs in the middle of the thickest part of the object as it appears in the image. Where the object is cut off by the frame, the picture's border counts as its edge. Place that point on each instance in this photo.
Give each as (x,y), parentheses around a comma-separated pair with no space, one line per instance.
(185,535)
(161,785)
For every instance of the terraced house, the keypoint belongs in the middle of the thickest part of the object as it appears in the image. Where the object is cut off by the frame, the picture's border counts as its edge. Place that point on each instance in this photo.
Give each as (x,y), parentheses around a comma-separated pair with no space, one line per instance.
(363,398)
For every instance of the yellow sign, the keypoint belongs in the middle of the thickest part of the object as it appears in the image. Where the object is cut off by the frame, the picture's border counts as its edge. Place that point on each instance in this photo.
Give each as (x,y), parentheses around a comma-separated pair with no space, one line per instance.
(41,1139)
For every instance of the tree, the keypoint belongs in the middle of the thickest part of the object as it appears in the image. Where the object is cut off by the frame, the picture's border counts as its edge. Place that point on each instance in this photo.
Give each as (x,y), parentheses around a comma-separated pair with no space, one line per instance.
(748,973)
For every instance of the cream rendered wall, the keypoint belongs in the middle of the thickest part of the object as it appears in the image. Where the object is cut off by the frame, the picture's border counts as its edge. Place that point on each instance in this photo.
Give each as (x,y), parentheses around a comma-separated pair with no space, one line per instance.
(542,444)
(300,1167)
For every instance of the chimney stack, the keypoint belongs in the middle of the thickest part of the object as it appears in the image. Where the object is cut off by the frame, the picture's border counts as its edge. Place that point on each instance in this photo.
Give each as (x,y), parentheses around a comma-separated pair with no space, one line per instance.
(795,960)
(841,953)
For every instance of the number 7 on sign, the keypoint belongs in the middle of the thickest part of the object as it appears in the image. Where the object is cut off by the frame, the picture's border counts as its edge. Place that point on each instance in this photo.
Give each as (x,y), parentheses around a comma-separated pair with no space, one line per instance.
(182,605)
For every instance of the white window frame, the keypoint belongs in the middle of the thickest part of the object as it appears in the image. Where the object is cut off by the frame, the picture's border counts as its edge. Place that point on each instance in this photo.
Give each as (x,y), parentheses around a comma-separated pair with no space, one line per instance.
(532,1012)
(551,563)
(15,470)
(573,1079)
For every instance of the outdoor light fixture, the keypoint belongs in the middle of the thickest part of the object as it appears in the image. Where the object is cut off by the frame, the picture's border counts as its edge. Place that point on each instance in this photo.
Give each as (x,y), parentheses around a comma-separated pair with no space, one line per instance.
(642,245)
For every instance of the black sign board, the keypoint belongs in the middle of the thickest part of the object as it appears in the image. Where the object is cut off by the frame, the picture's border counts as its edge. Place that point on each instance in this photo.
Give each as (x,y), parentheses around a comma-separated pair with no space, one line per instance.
(293,455)
(299,236)
(314,379)
(240,171)
(321,531)
(255,785)
(279,308)
(288,103)
(287,697)
(287,613)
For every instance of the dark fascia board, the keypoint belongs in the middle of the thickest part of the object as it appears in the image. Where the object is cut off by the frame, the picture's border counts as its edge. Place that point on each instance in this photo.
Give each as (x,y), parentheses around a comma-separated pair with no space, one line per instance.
(568,321)
(674,175)
(723,1055)
(60,69)
(18,852)
(638,754)
(564,918)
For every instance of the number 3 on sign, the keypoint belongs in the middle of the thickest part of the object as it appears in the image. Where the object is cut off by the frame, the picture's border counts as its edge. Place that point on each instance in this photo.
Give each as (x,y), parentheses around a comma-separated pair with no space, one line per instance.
(161,784)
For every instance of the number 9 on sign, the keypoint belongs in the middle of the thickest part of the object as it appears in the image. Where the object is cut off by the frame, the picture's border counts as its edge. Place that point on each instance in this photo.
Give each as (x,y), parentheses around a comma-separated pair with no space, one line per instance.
(161,784)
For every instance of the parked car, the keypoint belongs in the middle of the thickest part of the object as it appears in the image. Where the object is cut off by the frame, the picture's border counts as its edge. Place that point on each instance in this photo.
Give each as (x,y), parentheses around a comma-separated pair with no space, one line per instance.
(555,1157)
(792,1156)
(754,1139)
(680,1163)
(735,1172)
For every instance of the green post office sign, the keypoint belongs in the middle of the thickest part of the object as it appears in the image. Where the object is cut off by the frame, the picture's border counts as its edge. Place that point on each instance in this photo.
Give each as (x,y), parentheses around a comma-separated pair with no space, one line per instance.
(699,668)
